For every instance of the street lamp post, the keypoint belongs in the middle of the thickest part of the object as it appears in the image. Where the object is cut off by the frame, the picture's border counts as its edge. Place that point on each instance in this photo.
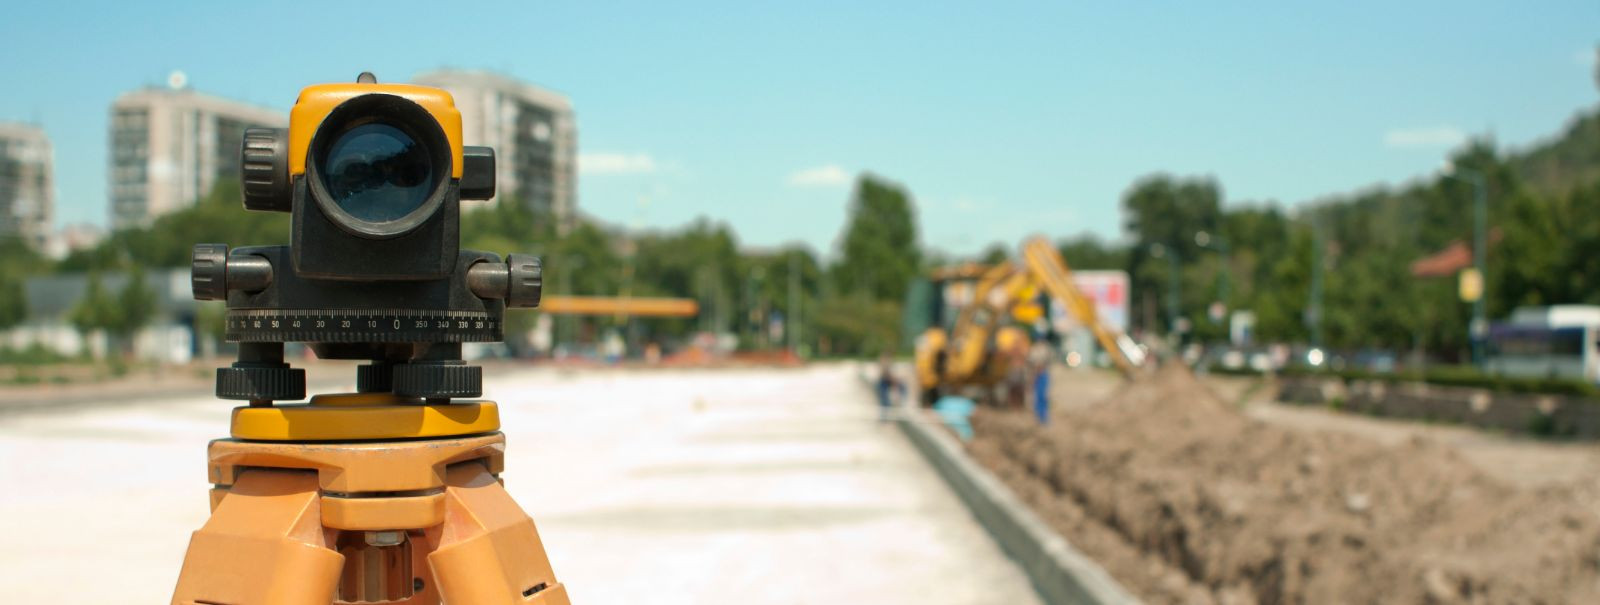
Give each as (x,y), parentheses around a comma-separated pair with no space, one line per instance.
(1210,242)
(791,327)
(754,316)
(570,263)
(1480,222)
(1479,328)
(1313,316)
(1174,282)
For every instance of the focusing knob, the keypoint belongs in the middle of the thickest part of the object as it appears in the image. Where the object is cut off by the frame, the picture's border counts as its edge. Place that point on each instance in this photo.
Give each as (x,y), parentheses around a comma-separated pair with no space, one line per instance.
(264,159)
(208,272)
(527,281)
(375,377)
(434,380)
(261,382)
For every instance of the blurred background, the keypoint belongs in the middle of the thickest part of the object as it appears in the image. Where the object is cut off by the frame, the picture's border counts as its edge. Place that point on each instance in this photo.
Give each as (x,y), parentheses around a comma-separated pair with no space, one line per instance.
(1369,220)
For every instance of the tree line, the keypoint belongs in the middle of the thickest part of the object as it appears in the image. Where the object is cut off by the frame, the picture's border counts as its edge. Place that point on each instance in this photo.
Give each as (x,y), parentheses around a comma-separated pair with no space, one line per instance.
(849,306)
(1543,247)
(1335,271)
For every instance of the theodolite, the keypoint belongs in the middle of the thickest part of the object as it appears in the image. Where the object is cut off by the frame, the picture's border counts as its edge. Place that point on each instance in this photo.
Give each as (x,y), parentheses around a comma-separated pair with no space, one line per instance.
(390,494)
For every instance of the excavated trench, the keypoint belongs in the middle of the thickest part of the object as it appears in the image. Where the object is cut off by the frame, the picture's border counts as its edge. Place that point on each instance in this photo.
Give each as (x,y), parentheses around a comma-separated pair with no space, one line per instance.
(1185,500)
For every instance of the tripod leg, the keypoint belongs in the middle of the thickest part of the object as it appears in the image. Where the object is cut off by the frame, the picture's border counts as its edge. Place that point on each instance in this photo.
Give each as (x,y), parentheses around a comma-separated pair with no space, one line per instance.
(263,545)
(489,552)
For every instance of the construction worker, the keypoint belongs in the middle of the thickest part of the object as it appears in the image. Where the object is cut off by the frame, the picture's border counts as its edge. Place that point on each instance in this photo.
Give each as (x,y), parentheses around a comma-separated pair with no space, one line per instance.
(887,385)
(1039,356)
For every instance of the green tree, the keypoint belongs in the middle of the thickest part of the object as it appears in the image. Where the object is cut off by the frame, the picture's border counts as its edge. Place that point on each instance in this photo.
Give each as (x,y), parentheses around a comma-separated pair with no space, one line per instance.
(95,310)
(1255,237)
(1565,163)
(700,261)
(135,307)
(210,320)
(859,311)
(13,302)
(878,251)
(586,261)
(509,225)
(1088,252)
(1280,304)
(1528,259)
(1580,265)
(18,261)
(169,240)
(851,326)
(995,254)
(1169,211)
(765,294)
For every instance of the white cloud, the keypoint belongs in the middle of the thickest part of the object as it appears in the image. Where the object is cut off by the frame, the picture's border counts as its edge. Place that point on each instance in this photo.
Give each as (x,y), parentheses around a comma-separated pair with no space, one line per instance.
(969,204)
(1442,136)
(831,175)
(615,163)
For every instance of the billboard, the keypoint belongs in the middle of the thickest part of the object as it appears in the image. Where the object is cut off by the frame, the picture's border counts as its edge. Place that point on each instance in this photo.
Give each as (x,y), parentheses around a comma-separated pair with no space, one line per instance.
(1109,292)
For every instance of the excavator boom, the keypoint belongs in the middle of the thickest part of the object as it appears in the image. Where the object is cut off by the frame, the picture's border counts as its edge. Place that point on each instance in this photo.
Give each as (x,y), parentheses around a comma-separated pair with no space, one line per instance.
(1046,265)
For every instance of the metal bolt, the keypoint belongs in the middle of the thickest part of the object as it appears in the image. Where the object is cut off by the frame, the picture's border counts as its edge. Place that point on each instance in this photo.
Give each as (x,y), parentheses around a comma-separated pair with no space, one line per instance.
(385,538)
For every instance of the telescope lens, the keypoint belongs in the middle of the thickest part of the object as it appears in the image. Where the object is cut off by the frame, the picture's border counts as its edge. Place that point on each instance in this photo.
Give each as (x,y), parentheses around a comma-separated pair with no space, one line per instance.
(377,173)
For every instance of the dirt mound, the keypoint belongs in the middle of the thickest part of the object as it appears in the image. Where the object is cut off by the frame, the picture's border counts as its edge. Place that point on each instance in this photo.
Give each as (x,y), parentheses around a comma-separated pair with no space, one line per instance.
(1183,499)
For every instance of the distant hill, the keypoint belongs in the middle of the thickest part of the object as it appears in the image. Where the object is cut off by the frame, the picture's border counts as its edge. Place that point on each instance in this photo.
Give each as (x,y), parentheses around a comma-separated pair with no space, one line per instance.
(1554,167)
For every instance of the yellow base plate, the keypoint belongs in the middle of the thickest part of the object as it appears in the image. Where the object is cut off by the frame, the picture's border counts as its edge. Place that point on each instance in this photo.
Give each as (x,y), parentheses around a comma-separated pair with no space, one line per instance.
(363,416)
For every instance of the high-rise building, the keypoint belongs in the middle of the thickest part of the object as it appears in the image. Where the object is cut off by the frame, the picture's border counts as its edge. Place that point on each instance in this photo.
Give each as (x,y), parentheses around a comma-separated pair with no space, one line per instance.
(27,191)
(532,130)
(170,147)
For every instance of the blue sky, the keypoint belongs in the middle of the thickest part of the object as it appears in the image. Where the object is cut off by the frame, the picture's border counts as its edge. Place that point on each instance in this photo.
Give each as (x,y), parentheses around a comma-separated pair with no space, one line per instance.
(1003,119)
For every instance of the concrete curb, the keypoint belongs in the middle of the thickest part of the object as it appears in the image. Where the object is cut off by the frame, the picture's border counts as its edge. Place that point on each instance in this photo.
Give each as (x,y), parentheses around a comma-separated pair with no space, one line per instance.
(1059,572)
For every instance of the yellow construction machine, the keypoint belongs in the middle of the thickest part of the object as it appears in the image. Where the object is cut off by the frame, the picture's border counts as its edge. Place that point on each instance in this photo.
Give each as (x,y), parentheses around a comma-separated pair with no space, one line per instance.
(988,340)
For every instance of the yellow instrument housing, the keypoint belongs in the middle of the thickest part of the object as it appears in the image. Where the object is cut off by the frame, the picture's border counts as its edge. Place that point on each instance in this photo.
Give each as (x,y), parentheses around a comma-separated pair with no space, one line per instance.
(318,100)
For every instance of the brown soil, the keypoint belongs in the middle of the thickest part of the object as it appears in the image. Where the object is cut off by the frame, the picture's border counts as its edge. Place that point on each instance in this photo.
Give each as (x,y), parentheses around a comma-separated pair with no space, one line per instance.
(1183,499)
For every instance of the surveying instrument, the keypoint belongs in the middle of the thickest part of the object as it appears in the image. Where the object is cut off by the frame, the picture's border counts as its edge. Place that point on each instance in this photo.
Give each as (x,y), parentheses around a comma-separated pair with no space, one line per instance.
(390,494)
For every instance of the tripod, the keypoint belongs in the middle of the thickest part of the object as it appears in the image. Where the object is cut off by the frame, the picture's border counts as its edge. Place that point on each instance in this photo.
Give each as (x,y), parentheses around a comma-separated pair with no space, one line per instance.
(364,498)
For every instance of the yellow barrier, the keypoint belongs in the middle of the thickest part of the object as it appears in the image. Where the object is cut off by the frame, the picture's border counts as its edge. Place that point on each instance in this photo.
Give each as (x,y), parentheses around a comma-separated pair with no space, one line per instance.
(606,305)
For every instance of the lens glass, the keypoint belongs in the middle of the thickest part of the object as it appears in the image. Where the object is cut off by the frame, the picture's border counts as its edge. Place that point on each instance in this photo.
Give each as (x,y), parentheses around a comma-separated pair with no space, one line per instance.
(377,173)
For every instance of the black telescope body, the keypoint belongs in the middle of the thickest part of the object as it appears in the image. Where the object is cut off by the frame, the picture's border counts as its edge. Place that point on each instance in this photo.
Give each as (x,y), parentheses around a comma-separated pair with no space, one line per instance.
(374,269)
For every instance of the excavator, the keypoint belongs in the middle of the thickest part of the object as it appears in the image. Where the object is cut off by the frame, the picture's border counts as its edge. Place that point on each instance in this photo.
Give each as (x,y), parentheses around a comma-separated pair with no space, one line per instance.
(985,344)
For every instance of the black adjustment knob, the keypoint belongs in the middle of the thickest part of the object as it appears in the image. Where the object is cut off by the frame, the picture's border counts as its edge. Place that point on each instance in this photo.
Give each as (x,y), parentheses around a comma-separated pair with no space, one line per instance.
(264,160)
(376,377)
(527,281)
(261,382)
(208,272)
(436,380)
